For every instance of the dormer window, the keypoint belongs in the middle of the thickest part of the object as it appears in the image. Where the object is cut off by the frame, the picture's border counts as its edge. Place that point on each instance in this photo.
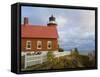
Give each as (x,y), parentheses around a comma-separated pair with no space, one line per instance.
(28,44)
(39,44)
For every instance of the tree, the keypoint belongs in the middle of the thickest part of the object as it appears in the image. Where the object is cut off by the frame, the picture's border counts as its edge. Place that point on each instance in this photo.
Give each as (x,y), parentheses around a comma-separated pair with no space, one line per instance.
(75,52)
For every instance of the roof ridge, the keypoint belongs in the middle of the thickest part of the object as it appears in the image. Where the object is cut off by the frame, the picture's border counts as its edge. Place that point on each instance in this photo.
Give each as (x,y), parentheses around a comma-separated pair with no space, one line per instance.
(32,25)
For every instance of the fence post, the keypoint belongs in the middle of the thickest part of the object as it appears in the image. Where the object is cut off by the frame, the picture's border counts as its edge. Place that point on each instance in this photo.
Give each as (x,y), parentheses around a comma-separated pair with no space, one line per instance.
(25,63)
(41,58)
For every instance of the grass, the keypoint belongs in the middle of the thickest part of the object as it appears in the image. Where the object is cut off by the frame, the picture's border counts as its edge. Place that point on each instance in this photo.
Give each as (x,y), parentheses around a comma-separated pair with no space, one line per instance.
(69,61)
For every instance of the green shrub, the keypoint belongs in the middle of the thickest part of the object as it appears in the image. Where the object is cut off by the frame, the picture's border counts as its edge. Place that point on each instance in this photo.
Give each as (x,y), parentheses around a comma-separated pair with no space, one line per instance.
(50,56)
(61,50)
(75,53)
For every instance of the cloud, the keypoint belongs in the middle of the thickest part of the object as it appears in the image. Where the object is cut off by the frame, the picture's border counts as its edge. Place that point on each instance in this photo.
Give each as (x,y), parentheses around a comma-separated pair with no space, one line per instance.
(87,21)
(61,21)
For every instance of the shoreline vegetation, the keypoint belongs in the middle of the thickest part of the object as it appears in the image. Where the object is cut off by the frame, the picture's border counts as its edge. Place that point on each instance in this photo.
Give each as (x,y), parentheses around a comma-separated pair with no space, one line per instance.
(74,60)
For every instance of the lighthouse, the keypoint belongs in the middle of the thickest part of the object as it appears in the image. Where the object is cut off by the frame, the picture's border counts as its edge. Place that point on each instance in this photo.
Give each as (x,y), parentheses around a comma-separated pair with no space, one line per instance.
(52,21)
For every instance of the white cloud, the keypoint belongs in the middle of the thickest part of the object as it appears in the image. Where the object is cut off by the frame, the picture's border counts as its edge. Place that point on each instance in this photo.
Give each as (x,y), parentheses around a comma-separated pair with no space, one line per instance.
(61,21)
(87,22)
(62,34)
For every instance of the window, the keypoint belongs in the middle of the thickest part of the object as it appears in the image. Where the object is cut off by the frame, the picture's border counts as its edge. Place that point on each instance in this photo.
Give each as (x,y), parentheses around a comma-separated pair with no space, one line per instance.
(49,44)
(39,44)
(28,44)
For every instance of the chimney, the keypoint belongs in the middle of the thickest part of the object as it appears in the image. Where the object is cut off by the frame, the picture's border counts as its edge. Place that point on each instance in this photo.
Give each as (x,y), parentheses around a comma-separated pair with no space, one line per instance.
(25,20)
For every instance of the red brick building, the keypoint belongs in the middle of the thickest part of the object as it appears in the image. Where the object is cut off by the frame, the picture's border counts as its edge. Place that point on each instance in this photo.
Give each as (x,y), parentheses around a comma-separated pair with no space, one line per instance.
(39,38)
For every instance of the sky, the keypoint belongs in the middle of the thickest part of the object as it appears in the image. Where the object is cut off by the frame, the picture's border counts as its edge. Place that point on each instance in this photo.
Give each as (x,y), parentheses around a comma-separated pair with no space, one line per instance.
(76,28)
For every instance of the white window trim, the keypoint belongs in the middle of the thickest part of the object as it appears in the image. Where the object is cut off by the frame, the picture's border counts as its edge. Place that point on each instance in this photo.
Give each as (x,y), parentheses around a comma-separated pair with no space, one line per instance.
(48,43)
(37,44)
(27,44)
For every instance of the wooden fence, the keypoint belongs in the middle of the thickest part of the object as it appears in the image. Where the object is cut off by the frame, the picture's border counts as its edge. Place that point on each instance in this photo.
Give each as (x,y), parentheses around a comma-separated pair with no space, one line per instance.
(34,59)
(59,54)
